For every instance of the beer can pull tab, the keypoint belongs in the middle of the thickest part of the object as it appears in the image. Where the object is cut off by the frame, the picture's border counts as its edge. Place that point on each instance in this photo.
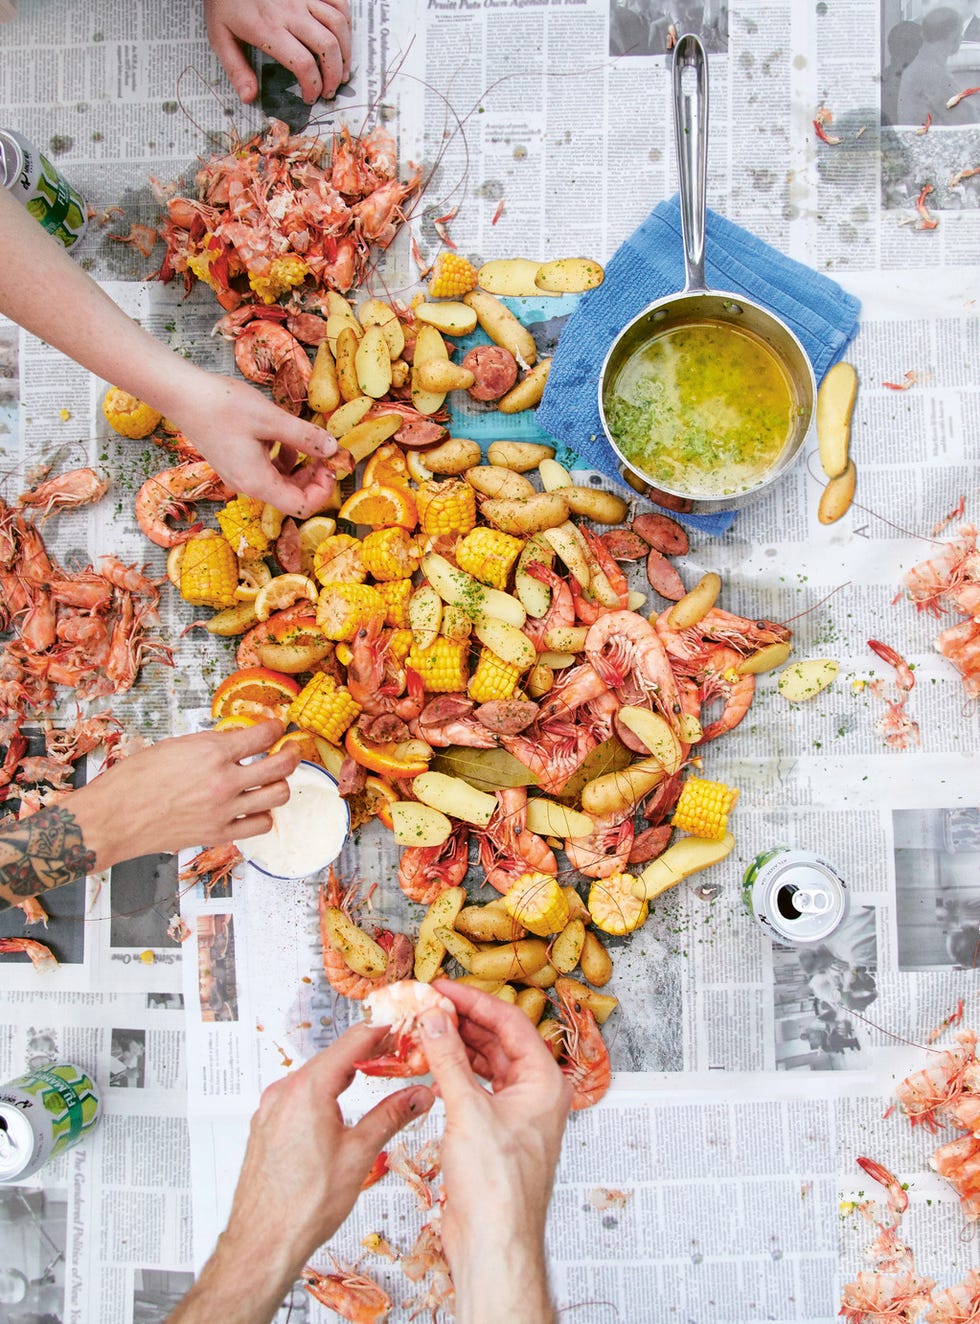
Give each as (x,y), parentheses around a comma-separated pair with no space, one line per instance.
(806,902)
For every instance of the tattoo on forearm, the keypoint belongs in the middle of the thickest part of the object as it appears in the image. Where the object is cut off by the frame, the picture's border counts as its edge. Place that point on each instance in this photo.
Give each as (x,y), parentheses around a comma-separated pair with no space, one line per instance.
(44,851)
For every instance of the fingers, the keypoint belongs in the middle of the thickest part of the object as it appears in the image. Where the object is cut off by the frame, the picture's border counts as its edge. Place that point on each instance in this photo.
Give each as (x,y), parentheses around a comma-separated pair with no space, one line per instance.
(234,63)
(502,1034)
(388,1117)
(447,1058)
(334,1066)
(246,741)
(300,436)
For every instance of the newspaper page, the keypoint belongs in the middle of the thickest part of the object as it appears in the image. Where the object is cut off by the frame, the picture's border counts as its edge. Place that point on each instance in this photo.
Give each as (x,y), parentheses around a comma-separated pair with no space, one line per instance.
(717,1179)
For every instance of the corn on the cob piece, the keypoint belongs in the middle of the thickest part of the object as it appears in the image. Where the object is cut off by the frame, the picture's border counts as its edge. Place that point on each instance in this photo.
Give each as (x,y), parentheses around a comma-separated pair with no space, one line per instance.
(443,666)
(493,678)
(127,415)
(241,523)
(488,555)
(400,644)
(703,808)
(343,608)
(324,707)
(209,571)
(396,593)
(613,907)
(338,560)
(446,507)
(390,554)
(280,276)
(452,276)
(537,902)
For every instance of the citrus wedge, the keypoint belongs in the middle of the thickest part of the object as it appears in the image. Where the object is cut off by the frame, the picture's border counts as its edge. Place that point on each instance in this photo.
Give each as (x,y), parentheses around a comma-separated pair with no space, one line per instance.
(234,722)
(282,592)
(406,759)
(304,739)
(255,692)
(387,467)
(381,507)
(174,558)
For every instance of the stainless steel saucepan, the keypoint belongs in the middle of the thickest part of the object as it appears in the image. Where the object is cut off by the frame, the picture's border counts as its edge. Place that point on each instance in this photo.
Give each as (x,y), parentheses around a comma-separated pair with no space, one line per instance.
(696,304)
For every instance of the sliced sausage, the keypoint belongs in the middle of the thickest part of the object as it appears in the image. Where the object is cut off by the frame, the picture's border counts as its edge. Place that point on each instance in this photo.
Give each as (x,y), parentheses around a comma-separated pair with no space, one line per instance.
(650,843)
(495,370)
(506,717)
(663,578)
(352,778)
(663,533)
(669,501)
(623,545)
(288,551)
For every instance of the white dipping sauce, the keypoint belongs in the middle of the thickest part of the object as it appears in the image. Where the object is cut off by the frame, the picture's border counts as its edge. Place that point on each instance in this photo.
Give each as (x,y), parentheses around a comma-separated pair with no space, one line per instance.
(308,832)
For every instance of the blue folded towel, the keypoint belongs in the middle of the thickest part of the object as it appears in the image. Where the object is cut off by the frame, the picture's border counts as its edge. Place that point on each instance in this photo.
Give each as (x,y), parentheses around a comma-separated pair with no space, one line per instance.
(649,266)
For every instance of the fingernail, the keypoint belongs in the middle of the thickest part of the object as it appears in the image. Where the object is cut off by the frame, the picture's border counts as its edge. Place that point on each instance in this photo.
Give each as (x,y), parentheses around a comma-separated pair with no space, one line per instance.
(434,1023)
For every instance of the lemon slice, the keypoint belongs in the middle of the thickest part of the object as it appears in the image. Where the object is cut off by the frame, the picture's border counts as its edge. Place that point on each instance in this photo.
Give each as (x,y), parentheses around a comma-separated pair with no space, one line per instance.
(174,558)
(255,576)
(282,592)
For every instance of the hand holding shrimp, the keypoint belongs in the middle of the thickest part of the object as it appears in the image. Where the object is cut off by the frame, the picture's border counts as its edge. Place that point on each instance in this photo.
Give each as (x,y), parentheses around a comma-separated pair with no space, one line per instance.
(499,1152)
(301,1175)
(310,37)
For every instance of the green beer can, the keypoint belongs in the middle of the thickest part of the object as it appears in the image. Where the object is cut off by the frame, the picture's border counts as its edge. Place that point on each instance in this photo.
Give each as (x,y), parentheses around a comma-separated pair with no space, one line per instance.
(47,195)
(42,1114)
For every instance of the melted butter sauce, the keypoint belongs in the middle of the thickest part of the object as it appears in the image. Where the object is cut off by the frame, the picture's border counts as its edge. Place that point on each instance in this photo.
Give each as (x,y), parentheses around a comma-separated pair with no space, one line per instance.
(704,408)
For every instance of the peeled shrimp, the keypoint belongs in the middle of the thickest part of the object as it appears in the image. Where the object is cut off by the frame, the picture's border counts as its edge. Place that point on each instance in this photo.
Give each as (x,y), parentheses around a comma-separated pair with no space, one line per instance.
(401,1006)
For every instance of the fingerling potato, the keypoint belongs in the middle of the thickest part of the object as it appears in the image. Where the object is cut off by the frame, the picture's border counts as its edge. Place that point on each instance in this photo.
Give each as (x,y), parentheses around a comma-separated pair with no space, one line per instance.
(527,393)
(501,326)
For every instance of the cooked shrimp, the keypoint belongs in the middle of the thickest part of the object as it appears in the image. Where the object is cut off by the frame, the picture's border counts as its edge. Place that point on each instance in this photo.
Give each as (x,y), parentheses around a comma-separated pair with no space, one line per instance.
(170,494)
(268,354)
(129,577)
(560,613)
(354,1296)
(718,675)
(216,862)
(959,1304)
(886,1298)
(585,1057)
(342,979)
(606,850)
(400,1006)
(42,958)
(627,654)
(426,871)
(78,487)
(507,848)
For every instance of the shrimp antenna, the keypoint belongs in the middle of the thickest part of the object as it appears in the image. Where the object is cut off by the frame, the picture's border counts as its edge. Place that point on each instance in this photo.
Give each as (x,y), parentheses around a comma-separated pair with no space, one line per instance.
(192,71)
(819,603)
(856,505)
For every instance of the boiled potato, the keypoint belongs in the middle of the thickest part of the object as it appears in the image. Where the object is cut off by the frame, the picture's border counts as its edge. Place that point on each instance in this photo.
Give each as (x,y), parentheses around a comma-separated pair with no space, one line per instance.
(338,322)
(510,276)
(450,317)
(656,733)
(373,312)
(520,960)
(454,456)
(454,796)
(444,375)
(429,951)
(429,347)
(685,857)
(595,961)
(569,275)
(345,356)
(502,327)
(323,392)
(696,604)
(419,825)
(365,437)
(518,455)
(806,679)
(836,498)
(359,950)
(528,392)
(505,484)
(372,363)
(508,643)
(348,415)
(595,504)
(835,404)
(543,510)
(764,659)
(566,947)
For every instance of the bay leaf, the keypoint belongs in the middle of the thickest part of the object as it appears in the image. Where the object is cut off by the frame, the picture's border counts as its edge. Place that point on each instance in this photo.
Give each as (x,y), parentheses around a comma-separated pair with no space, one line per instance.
(486,769)
(610,756)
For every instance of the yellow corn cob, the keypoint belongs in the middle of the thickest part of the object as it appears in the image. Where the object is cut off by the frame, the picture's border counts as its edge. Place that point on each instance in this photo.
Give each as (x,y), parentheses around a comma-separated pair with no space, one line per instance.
(281,274)
(324,707)
(396,593)
(343,608)
(443,666)
(400,643)
(241,523)
(493,678)
(127,415)
(451,277)
(446,507)
(390,553)
(209,571)
(488,555)
(703,808)
(537,902)
(613,907)
(338,560)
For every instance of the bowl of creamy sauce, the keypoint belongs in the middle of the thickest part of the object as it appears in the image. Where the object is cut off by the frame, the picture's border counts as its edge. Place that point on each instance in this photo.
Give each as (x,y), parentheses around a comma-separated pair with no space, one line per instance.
(308,832)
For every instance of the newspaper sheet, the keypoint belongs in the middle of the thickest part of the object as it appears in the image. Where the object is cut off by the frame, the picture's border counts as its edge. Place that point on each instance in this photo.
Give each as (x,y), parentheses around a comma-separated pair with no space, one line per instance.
(707,1185)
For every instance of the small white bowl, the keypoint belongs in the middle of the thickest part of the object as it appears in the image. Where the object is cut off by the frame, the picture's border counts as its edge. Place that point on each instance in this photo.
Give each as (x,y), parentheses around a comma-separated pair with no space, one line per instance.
(308,832)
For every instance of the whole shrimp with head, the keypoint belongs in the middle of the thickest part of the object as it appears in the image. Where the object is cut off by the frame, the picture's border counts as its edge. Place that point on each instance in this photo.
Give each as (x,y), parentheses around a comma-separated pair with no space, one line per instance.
(401,1006)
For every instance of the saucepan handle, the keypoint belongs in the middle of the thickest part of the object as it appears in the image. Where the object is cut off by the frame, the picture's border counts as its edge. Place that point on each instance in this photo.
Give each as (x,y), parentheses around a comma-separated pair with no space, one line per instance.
(690,75)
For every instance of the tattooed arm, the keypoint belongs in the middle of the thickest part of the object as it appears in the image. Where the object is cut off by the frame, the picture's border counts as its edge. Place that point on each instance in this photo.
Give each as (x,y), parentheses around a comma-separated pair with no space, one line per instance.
(188,791)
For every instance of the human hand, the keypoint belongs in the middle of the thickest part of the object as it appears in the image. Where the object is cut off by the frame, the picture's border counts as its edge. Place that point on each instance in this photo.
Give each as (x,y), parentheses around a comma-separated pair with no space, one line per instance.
(302,1173)
(499,1152)
(310,37)
(191,790)
(234,426)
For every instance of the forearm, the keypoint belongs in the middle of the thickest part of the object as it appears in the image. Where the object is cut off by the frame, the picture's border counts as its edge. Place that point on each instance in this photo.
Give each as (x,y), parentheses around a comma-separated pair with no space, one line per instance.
(46,292)
(509,1281)
(236,1287)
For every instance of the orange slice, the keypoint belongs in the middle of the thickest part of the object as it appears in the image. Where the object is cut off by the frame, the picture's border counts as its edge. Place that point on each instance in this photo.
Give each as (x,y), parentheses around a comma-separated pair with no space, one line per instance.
(387,467)
(255,692)
(306,742)
(234,721)
(381,507)
(282,592)
(390,760)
